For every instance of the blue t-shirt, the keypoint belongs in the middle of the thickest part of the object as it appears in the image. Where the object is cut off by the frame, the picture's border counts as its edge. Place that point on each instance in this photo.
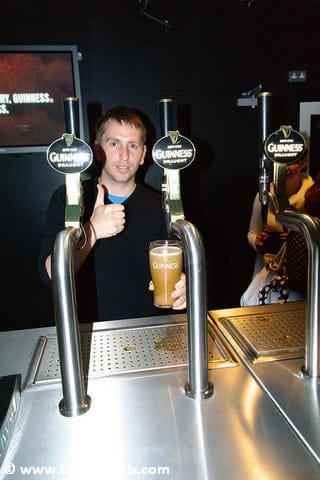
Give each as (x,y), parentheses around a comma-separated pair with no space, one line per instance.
(116,198)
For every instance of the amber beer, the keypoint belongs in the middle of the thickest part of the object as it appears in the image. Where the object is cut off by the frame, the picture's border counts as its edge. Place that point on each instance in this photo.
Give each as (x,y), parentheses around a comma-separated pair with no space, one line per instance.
(165,259)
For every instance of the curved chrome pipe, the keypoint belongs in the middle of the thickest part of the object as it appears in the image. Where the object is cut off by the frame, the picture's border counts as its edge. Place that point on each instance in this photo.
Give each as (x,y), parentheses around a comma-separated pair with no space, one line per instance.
(197,386)
(310,227)
(75,401)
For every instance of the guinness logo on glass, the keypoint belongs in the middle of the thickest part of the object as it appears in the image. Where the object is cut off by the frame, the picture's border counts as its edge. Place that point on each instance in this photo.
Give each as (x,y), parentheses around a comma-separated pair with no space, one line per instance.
(69,154)
(285,145)
(173,151)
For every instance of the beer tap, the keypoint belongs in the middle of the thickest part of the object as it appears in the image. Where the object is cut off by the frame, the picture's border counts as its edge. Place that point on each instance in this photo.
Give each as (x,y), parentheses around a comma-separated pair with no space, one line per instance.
(72,180)
(310,228)
(264,119)
(283,147)
(255,98)
(71,156)
(171,200)
(173,152)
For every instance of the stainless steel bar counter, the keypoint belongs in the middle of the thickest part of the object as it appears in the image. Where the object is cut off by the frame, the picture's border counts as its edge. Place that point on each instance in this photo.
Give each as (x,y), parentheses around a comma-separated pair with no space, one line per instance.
(141,424)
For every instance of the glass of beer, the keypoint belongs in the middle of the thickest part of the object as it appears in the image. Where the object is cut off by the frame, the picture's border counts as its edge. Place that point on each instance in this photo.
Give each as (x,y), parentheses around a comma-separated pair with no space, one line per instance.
(165,260)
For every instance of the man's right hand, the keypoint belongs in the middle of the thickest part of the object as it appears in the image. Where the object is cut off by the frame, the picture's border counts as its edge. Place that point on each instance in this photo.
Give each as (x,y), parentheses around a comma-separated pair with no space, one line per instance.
(106,220)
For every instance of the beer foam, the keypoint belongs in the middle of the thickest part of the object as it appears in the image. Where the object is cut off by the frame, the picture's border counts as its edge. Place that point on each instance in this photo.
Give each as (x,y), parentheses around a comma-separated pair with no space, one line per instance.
(169,251)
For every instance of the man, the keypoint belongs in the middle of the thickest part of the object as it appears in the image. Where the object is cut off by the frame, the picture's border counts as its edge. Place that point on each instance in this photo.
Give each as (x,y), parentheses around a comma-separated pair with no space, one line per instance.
(121,218)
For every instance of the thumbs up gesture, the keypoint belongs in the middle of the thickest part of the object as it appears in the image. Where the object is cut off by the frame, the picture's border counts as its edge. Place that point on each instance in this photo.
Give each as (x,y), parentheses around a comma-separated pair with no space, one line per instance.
(106,220)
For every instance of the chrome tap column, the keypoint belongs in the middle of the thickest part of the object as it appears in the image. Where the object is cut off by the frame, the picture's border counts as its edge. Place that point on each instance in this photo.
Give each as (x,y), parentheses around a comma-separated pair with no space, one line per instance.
(172,153)
(197,385)
(283,147)
(310,227)
(69,156)
(75,400)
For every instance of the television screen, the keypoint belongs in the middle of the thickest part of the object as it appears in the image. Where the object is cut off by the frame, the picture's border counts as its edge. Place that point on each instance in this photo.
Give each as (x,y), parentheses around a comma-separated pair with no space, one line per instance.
(34,81)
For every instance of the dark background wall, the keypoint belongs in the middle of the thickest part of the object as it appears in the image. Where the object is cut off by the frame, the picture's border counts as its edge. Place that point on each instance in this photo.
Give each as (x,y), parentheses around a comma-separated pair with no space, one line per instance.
(211,53)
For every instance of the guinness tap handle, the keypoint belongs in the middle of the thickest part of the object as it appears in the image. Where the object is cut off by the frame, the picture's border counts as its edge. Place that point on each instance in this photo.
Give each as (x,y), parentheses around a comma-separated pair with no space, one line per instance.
(166,115)
(264,114)
(71,156)
(264,119)
(71,115)
(166,124)
(172,152)
(283,147)
(74,207)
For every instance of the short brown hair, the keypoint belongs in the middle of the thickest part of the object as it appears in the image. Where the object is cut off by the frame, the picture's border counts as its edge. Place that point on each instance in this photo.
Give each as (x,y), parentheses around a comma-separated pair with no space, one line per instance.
(121,114)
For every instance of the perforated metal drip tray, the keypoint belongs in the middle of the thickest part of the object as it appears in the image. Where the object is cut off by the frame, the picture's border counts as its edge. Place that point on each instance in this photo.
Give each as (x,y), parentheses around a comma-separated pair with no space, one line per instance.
(109,352)
(269,336)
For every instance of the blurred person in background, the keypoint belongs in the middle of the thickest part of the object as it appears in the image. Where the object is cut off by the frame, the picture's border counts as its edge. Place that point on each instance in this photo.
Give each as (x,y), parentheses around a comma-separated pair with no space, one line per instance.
(267,242)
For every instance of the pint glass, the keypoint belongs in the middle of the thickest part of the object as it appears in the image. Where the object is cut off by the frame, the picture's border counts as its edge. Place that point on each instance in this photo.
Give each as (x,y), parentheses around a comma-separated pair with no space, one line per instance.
(165,260)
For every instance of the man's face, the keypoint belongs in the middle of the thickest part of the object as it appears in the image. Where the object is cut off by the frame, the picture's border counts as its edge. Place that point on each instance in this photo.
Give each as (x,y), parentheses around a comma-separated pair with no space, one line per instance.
(121,150)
